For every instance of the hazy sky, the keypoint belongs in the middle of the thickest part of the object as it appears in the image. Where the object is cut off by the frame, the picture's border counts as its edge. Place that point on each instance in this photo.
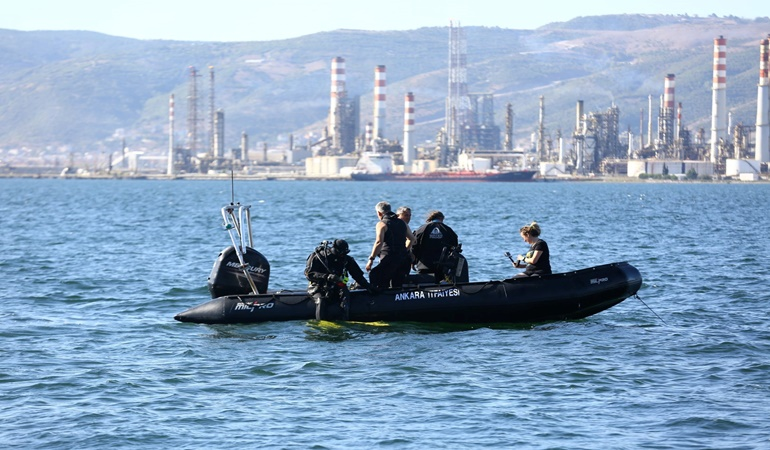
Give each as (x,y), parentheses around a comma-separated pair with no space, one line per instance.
(258,20)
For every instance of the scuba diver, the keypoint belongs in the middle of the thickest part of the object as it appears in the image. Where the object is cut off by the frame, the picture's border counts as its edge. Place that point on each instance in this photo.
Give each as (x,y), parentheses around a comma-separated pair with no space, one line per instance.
(327,271)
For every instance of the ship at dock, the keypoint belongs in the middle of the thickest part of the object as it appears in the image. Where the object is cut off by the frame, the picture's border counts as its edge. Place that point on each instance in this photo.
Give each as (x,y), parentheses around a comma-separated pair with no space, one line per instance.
(448,175)
(379,167)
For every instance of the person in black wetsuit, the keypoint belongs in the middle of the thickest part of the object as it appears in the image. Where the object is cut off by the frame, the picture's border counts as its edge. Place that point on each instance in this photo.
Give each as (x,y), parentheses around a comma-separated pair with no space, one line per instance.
(433,239)
(327,270)
(390,245)
(537,261)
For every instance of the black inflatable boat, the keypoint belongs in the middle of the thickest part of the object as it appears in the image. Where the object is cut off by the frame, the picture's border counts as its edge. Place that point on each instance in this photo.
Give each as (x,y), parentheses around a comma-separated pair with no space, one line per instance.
(239,279)
(562,296)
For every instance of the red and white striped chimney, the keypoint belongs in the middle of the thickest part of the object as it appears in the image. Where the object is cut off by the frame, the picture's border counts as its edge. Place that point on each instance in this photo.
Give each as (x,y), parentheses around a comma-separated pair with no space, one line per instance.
(408,151)
(667,130)
(762,140)
(379,102)
(368,133)
(170,166)
(669,84)
(337,93)
(719,97)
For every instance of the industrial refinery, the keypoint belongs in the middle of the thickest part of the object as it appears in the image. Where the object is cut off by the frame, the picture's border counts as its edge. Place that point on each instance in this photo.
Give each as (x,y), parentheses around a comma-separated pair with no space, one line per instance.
(354,142)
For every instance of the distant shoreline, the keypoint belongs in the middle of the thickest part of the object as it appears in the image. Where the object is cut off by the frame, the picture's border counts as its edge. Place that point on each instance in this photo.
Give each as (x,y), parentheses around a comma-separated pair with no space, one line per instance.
(296,177)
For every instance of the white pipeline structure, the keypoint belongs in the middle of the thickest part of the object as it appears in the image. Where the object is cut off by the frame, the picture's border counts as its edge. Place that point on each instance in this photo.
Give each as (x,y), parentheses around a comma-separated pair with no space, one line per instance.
(719,97)
(762,143)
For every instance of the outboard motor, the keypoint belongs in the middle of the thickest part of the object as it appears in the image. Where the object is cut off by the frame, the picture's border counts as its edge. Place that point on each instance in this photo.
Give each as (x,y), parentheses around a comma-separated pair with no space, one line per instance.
(454,263)
(229,278)
(239,270)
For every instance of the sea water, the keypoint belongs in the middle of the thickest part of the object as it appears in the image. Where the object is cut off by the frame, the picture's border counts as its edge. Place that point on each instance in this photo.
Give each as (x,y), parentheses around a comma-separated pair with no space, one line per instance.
(93,272)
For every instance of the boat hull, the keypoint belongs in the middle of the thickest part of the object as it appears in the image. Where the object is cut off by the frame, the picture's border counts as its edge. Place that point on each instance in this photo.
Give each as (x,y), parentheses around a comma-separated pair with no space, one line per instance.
(513,176)
(563,296)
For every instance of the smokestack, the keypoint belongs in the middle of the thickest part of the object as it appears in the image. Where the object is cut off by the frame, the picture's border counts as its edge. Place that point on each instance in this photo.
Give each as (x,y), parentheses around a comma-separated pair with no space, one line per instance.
(661,112)
(508,127)
(337,93)
(368,135)
(668,93)
(379,102)
(541,131)
(719,96)
(408,129)
(649,120)
(678,122)
(579,116)
(123,153)
(245,148)
(170,167)
(219,136)
(579,134)
(762,140)
(212,118)
(668,120)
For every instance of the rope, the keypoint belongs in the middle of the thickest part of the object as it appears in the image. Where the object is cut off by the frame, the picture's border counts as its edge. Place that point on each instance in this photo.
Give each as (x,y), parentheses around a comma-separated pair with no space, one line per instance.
(480,288)
(648,307)
(274,297)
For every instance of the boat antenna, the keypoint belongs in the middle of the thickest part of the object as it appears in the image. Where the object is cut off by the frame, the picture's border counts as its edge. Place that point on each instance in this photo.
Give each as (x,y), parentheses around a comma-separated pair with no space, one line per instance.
(648,307)
(232,187)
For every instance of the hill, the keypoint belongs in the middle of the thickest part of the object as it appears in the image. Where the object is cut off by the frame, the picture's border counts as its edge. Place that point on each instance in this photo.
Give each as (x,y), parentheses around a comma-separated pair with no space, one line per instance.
(84,91)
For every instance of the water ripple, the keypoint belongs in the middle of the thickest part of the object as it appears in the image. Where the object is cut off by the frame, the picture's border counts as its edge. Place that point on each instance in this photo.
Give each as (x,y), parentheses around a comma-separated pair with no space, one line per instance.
(91,357)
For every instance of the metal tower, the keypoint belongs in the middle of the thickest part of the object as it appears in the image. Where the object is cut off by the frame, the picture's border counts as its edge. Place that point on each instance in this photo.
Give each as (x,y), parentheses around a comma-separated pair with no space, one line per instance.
(509,127)
(457,102)
(213,150)
(667,115)
(192,112)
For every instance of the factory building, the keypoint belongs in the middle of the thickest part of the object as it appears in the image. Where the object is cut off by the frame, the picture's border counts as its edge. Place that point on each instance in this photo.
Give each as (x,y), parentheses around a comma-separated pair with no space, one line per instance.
(479,131)
(470,138)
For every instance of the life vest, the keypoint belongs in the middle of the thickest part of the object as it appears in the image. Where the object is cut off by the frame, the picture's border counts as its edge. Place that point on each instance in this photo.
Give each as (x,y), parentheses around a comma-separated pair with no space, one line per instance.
(395,236)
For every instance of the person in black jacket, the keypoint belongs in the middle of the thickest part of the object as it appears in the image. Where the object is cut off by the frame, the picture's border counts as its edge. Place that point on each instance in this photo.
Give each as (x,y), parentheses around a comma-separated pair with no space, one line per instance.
(432,240)
(327,271)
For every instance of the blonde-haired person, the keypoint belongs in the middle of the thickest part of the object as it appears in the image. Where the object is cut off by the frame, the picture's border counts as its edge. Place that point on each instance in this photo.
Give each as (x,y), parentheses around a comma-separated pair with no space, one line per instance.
(537,261)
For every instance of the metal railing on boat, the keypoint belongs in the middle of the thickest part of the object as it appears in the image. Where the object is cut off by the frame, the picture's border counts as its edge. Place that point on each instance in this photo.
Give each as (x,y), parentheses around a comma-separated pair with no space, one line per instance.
(239,229)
